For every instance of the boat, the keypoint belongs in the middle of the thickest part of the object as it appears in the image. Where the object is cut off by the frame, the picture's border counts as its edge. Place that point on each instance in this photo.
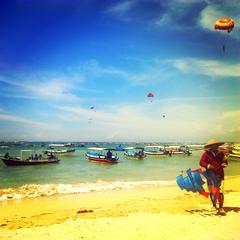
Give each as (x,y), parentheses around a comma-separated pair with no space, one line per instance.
(195,147)
(135,152)
(101,155)
(226,148)
(236,148)
(235,151)
(173,150)
(155,150)
(232,156)
(119,148)
(32,159)
(57,148)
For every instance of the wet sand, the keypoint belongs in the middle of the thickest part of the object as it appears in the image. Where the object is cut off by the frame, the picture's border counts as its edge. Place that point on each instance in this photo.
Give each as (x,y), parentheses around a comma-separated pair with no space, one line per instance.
(141,213)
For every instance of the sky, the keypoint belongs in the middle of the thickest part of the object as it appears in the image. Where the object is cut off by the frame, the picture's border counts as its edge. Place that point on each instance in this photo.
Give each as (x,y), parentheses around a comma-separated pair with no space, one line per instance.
(81,71)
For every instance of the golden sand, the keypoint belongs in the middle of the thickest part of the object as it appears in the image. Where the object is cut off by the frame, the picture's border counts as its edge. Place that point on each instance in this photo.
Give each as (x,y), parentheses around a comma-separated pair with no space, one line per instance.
(141,213)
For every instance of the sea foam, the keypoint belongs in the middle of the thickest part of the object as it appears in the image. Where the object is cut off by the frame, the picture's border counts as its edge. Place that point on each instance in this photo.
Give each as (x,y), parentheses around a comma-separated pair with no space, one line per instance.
(39,190)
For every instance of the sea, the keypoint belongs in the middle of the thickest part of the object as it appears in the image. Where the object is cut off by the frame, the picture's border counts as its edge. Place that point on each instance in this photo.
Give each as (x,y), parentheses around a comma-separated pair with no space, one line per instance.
(75,174)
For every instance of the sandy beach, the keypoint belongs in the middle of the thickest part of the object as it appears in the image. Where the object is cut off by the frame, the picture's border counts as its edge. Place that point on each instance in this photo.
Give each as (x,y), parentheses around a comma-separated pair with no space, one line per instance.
(140,213)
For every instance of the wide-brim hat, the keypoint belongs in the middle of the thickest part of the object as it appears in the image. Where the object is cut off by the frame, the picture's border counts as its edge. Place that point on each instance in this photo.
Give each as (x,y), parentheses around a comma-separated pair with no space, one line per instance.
(213,142)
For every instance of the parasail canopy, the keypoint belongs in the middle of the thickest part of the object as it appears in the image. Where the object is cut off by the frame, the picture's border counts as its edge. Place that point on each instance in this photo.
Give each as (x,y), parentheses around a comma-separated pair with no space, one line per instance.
(150,95)
(224,24)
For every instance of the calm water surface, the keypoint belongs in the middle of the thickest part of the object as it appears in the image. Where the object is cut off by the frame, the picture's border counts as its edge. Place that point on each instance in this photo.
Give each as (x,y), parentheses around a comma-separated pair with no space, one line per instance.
(75,168)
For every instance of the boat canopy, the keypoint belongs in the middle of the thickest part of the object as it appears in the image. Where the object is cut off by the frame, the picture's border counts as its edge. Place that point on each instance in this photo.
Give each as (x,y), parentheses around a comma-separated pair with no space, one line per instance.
(100,149)
(132,148)
(96,149)
(56,145)
(154,146)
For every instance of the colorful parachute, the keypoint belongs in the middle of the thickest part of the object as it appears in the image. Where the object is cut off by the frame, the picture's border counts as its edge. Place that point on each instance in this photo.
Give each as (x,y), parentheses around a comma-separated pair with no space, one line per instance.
(150,95)
(225,24)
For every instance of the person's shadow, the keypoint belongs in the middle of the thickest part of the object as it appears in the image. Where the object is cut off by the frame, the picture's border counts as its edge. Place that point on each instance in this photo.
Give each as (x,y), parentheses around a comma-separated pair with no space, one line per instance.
(234,209)
(205,212)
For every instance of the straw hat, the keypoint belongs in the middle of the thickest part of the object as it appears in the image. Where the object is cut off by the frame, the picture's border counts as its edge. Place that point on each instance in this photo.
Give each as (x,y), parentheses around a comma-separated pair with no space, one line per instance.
(212,142)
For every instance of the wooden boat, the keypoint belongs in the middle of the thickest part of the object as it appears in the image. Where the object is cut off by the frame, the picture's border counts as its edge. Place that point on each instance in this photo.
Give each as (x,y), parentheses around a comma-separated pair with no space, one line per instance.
(173,150)
(226,148)
(34,159)
(135,152)
(235,151)
(195,147)
(154,150)
(56,148)
(59,151)
(232,156)
(101,155)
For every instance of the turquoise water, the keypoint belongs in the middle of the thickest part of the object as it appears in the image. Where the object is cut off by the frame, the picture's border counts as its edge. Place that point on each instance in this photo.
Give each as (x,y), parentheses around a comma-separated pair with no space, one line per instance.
(75,169)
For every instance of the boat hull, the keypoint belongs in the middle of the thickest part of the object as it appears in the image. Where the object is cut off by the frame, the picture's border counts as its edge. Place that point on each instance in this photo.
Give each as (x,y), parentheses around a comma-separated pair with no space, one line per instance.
(134,156)
(102,160)
(155,153)
(18,162)
(60,151)
(234,156)
(97,158)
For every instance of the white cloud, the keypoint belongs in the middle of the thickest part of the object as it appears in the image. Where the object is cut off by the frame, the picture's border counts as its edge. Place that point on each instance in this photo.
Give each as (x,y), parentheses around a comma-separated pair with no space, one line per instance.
(227,126)
(176,12)
(209,15)
(43,86)
(185,120)
(207,67)
(21,120)
(59,89)
(149,71)
(93,68)
(232,114)
(142,122)
(121,9)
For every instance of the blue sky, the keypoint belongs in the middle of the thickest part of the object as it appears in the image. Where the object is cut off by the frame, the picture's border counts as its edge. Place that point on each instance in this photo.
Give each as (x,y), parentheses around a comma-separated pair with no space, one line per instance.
(60,58)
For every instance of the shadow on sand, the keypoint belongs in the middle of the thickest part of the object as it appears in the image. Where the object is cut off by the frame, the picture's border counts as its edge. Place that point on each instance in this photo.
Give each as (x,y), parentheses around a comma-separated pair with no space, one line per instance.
(213,212)
(234,209)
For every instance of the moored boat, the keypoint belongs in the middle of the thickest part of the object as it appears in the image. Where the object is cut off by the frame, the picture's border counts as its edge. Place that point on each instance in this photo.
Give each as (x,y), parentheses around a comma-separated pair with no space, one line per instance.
(235,151)
(195,147)
(173,150)
(33,159)
(56,148)
(101,155)
(154,150)
(234,156)
(119,148)
(135,152)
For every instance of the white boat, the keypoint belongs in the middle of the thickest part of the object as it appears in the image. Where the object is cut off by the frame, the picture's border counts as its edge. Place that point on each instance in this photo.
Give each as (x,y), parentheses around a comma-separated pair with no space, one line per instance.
(235,152)
(135,152)
(195,147)
(154,150)
(101,155)
(59,148)
(172,150)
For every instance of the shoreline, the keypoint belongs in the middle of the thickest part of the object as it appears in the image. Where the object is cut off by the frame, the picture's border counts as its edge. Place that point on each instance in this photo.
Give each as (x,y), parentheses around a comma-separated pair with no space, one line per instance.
(153,212)
(41,190)
(47,190)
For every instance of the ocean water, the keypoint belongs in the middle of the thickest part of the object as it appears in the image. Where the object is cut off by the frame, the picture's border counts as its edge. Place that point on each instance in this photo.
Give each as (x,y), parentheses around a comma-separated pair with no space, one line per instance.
(74,173)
